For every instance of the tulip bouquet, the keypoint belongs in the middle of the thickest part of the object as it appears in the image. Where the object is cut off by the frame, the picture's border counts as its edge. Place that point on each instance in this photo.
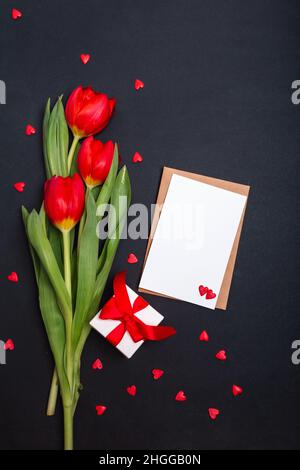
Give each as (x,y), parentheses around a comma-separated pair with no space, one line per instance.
(70,269)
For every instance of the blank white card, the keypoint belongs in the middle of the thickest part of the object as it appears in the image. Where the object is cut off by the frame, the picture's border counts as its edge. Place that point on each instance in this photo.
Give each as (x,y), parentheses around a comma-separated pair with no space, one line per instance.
(193,241)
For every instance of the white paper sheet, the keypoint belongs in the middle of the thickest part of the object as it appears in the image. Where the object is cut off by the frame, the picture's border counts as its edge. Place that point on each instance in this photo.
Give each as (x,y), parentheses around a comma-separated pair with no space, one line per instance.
(192,241)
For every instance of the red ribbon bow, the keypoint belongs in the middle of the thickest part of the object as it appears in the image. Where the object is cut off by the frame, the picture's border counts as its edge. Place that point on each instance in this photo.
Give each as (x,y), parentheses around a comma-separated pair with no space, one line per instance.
(119,308)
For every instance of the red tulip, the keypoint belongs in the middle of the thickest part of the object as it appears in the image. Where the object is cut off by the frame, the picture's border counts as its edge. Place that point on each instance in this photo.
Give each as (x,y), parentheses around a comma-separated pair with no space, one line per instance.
(94,161)
(64,201)
(88,111)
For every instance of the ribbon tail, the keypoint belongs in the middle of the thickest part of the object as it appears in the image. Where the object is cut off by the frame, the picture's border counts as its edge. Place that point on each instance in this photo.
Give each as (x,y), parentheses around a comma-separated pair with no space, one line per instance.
(155,333)
(135,331)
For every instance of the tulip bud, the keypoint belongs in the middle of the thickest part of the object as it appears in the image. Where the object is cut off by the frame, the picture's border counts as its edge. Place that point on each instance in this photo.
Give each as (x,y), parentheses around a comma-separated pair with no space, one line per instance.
(64,201)
(88,112)
(94,161)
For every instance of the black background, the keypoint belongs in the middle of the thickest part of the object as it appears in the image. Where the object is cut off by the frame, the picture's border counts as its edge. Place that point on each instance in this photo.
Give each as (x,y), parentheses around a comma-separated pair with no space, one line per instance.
(217,100)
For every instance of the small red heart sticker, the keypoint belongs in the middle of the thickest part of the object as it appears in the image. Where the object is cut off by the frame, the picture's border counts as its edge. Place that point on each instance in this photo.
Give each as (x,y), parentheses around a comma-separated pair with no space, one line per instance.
(9,345)
(97,364)
(236,390)
(16,14)
(213,412)
(180,396)
(210,294)
(19,186)
(13,277)
(221,355)
(132,259)
(137,158)
(203,290)
(85,58)
(138,84)
(30,130)
(157,373)
(131,390)
(100,409)
(204,336)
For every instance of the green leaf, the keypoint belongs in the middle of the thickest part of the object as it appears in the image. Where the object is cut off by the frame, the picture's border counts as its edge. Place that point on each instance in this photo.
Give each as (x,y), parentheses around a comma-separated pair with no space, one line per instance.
(45,133)
(54,237)
(52,317)
(42,215)
(120,201)
(108,185)
(42,247)
(54,324)
(105,194)
(63,133)
(122,189)
(87,266)
(57,141)
(53,233)
(35,259)
(55,240)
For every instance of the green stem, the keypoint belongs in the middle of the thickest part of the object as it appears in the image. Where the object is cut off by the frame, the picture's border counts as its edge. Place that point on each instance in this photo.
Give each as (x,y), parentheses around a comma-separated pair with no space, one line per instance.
(72,151)
(68,427)
(53,395)
(69,319)
(67,395)
(67,261)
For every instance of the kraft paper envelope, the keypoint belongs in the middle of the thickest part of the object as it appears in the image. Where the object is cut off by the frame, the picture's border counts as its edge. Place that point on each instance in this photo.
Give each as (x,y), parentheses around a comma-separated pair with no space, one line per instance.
(241,189)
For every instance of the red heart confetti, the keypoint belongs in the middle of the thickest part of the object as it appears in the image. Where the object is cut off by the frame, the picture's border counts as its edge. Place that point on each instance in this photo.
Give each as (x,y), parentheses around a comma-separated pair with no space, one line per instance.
(132,259)
(97,364)
(180,396)
(13,277)
(204,336)
(221,355)
(100,409)
(30,130)
(236,390)
(9,345)
(16,14)
(85,58)
(213,412)
(137,158)
(131,390)
(157,373)
(203,290)
(210,294)
(19,186)
(138,84)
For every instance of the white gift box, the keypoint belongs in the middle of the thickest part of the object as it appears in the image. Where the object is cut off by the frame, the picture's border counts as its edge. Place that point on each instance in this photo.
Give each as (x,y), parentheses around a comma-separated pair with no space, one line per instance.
(127,346)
